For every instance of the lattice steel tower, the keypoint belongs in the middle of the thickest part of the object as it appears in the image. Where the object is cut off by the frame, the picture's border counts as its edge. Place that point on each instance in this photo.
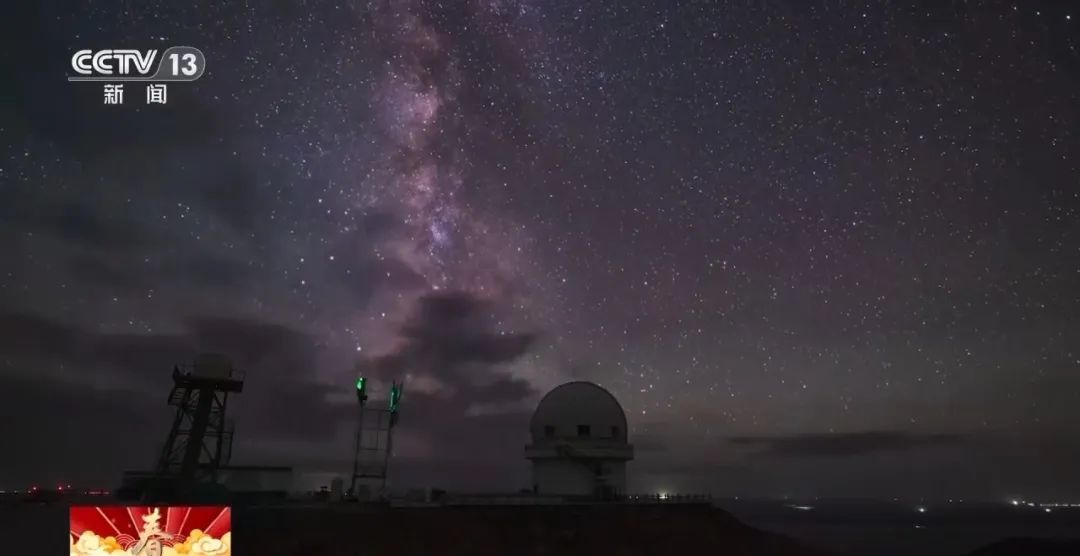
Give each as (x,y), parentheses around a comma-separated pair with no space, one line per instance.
(374,436)
(200,441)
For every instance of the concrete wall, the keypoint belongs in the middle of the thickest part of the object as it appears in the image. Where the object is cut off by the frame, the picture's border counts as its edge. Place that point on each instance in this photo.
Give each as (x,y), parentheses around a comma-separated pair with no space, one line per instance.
(569,478)
(618,476)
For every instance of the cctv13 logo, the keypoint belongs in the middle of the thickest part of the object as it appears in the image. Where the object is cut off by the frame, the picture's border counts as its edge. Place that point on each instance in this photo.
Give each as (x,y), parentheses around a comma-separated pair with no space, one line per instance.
(177,63)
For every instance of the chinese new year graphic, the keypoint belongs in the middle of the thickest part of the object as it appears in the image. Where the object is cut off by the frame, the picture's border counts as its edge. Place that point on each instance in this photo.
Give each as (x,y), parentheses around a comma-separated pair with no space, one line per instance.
(150,530)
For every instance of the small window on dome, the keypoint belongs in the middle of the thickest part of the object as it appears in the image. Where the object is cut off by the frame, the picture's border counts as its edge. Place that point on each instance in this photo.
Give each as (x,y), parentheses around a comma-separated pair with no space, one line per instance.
(583,430)
(549,431)
(615,432)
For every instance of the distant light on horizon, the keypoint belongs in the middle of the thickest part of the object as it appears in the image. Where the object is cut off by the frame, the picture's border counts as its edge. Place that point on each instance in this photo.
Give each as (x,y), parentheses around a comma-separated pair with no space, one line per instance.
(921,509)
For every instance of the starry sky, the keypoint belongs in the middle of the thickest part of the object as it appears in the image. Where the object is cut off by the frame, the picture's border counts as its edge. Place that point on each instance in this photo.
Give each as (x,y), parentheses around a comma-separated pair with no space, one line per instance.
(814,248)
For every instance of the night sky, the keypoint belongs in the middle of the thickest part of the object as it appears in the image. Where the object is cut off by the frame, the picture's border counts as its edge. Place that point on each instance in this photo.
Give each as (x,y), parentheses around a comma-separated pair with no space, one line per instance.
(813,248)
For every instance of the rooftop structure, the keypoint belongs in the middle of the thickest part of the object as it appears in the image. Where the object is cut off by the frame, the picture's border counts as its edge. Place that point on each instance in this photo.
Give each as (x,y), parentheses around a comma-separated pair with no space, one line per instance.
(579,443)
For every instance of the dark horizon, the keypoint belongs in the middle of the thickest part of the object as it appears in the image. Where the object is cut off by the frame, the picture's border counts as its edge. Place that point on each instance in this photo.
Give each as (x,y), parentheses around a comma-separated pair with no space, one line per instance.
(813,251)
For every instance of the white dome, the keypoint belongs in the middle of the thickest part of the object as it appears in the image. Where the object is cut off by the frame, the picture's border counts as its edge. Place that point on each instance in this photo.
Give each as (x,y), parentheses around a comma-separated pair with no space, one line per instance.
(578,410)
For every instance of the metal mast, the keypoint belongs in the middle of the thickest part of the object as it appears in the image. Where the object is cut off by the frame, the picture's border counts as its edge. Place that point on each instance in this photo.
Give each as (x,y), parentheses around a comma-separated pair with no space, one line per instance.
(199,441)
(374,437)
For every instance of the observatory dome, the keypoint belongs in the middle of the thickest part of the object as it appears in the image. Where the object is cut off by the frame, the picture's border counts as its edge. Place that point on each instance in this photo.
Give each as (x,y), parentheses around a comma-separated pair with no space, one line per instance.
(579,443)
(578,410)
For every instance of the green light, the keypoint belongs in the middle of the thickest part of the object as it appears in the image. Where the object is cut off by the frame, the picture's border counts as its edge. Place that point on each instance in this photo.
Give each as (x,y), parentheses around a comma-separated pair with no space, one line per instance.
(395,397)
(361,391)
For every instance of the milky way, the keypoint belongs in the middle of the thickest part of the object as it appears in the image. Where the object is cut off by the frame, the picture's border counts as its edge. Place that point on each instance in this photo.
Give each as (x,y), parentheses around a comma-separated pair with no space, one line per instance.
(800,243)
(423,123)
(411,96)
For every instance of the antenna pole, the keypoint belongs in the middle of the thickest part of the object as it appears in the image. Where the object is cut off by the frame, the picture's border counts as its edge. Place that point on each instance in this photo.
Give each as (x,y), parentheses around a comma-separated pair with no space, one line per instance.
(356,453)
(389,448)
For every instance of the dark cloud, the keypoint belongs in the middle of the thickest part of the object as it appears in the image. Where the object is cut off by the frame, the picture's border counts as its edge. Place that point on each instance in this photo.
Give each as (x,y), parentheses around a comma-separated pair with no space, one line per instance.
(142,356)
(33,342)
(119,424)
(76,434)
(384,366)
(503,389)
(844,444)
(269,347)
(450,336)
(446,308)
(282,399)
(206,271)
(292,409)
(37,336)
(450,329)
(273,349)
(103,270)
(80,223)
(111,269)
